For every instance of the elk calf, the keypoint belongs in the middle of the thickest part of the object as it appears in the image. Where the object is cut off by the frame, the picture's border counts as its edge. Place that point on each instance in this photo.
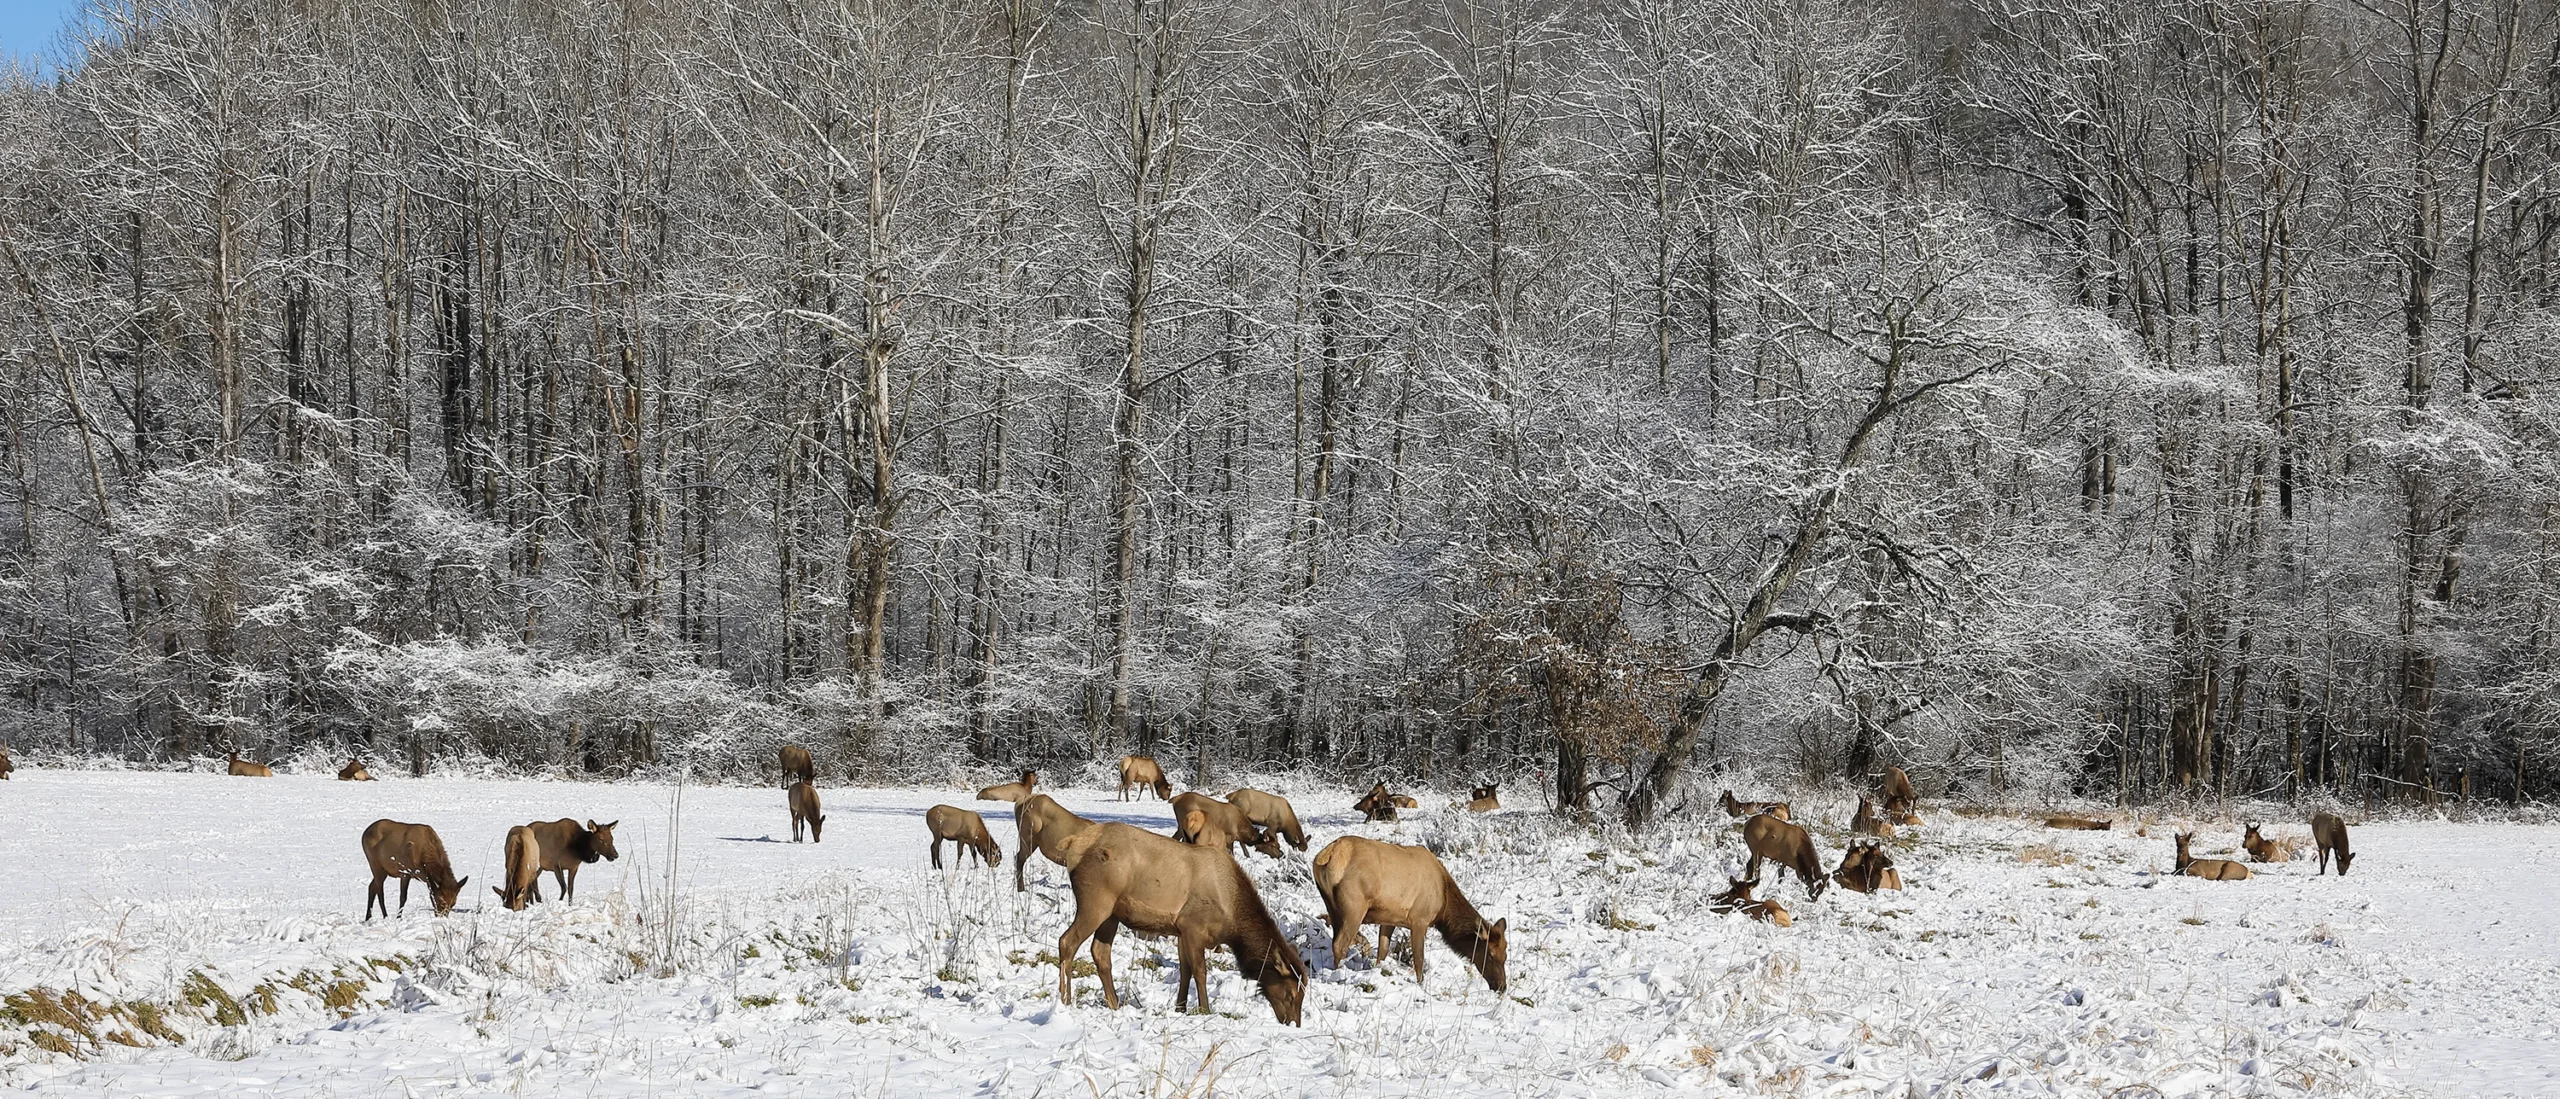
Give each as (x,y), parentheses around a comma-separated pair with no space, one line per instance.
(409,852)
(966,830)
(566,846)
(2210,869)
(1144,773)
(1483,798)
(1867,822)
(1013,791)
(1366,882)
(797,766)
(804,810)
(1770,836)
(1127,876)
(1740,809)
(354,771)
(1865,868)
(524,870)
(245,769)
(2330,834)
(1737,898)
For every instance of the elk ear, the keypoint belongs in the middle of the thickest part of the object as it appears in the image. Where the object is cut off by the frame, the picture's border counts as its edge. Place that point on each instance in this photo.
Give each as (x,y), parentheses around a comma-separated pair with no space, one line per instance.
(608,825)
(1502,927)
(465,881)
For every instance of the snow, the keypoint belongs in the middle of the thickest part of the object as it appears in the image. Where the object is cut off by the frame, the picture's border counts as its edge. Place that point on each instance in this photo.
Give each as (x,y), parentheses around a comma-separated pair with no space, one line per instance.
(2021,962)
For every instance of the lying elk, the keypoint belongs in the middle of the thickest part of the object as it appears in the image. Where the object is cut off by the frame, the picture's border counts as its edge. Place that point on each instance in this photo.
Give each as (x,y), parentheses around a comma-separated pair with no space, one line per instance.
(1378,804)
(1041,824)
(1737,898)
(1483,798)
(1013,791)
(797,766)
(524,870)
(1223,825)
(354,771)
(2211,869)
(1899,799)
(966,830)
(1772,837)
(1273,812)
(566,846)
(245,769)
(805,811)
(1868,822)
(2078,824)
(1124,875)
(1865,868)
(1740,809)
(2262,849)
(1367,882)
(409,852)
(2330,835)
(1146,774)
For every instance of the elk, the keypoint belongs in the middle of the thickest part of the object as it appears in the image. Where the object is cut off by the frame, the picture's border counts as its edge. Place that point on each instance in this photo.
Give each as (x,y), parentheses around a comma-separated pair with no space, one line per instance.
(1222,824)
(2262,849)
(1483,798)
(5,765)
(1364,881)
(1772,837)
(245,769)
(1377,804)
(1041,824)
(1740,809)
(1273,812)
(966,830)
(1013,791)
(354,771)
(1865,868)
(565,846)
(1146,774)
(2330,834)
(2212,869)
(804,810)
(408,852)
(524,870)
(2078,824)
(1898,796)
(1737,898)
(797,766)
(1867,822)
(1124,875)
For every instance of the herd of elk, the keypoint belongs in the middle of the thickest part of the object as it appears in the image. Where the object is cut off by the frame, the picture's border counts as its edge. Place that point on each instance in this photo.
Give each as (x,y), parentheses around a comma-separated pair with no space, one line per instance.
(966,830)
(1123,875)
(1144,773)
(245,769)
(1013,791)
(1364,881)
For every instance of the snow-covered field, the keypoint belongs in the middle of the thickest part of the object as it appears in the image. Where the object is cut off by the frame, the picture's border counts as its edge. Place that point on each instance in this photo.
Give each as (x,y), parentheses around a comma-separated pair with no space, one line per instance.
(195,934)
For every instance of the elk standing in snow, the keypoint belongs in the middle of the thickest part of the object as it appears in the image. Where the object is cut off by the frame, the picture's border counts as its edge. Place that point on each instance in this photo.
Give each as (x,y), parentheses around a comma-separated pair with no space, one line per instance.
(1041,824)
(1126,875)
(354,771)
(1772,837)
(245,769)
(409,852)
(524,870)
(1273,812)
(2330,835)
(1899,799)
(797,766)
(1223,825)
(966,830)
(2210,869)
(1144,773)
(1740,809)
(1391,885)
(1013,791)
(566,846)
(804,811)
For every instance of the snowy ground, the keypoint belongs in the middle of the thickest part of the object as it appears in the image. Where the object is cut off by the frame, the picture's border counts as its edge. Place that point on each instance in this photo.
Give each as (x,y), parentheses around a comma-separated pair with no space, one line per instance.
(195,934)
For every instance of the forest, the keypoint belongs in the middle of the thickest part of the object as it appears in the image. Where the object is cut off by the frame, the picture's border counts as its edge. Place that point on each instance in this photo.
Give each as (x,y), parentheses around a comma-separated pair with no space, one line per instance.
(2108,399)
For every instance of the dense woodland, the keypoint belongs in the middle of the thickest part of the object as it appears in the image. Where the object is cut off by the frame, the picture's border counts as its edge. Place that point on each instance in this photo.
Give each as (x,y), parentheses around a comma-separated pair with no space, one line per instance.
(2101,398)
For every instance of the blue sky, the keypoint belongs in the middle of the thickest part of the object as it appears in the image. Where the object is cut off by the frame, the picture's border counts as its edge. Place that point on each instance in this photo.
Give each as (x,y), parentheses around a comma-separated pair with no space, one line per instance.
(27,26)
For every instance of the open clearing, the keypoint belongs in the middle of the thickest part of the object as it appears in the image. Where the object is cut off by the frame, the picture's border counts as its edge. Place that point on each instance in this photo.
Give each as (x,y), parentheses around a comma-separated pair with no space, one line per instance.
(195,934)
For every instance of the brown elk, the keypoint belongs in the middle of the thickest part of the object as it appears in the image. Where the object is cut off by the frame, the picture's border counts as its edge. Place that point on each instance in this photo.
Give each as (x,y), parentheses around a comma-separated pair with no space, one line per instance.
(2211,869)
(966,830)
(245,769)
(1273,812)
(804,811)
(1899,799)
(1865,868)
(1222,824)
(797,766)
(524,870)
(1772,837)
(1737,898)
(1041,824)
(2330,835)
(409,852)
(1738,809)
(1144,773)
(566,846)
(2263,849)
(5,765)
(1377,804)
(2078,824)
(1484,799)
(354,771)
(1124,875)
(1013,791)
(1366,882)
(1867,822)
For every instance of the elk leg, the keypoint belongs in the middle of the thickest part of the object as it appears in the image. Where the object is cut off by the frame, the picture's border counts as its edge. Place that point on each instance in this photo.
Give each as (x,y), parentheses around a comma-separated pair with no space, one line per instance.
(1413,939)
(1021,855)
(937,852)
(373,896)
(1071,941)
(1346,932)
(1102,938)
(569,882)
(404,893)
(1194,970)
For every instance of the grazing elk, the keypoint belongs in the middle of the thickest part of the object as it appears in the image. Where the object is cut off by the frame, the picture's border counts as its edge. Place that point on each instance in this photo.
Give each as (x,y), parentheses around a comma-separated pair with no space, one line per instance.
(966,830)
(2330,835)
(245,769)
(566,846)
(1364,881)
(797,766)
(524,870)
(1144,773)
(1377,804)
(1865,868)
(1222,824)
(1867,822)
(1737,898)
(1772,837)
(2211,869)
(1041,824)
(1484,799)
(1273,812)
(409,852)
(354,771)
(1899,799)
(1124,875)
(2078,824)
(1738,809)
(1013,791)
(2263,849)
(804,811)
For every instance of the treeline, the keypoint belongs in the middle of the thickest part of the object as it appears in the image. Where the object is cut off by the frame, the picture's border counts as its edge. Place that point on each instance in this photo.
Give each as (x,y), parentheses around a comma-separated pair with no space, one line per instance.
(2130,399)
